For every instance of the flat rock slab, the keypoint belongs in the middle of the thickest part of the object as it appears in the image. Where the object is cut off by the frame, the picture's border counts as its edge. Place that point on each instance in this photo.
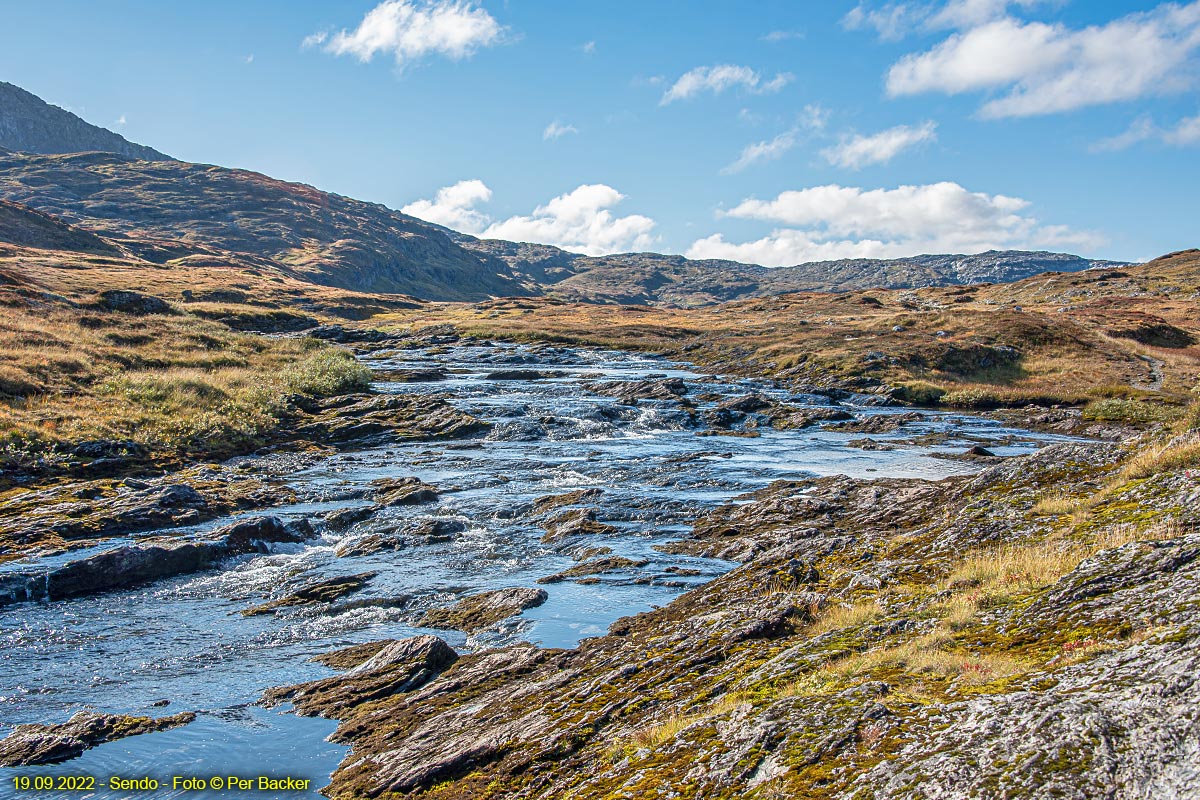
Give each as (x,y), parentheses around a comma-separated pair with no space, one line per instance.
(320,592)
(596,566)
(151,560)
(481,611)
(50,744)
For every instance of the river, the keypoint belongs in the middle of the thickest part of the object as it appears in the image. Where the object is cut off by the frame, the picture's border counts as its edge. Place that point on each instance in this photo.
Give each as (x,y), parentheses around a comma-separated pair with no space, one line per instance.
(184,639)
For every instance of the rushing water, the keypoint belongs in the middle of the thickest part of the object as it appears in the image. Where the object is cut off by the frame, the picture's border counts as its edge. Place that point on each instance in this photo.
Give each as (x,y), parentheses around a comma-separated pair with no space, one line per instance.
(184,640)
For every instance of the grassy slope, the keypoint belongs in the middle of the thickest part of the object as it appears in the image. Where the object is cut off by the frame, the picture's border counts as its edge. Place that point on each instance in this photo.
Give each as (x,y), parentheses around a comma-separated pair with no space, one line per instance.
(186,383)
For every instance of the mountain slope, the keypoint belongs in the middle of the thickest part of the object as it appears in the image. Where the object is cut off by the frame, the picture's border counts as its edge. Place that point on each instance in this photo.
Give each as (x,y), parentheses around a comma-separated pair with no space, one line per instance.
(167,210)
(30,124)
(28,228)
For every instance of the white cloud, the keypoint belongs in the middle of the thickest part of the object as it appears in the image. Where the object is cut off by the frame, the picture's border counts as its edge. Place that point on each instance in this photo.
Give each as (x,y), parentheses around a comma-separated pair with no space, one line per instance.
(813,118)
(969,13)
(412,29)
(774,37)
(1051,68)
(454,207)
(720,77)
(891,22)
(1182,134)
(767,150)
(848,222)
(858,151)
(556,129)
(1186,132)
(580,220)
(894,20)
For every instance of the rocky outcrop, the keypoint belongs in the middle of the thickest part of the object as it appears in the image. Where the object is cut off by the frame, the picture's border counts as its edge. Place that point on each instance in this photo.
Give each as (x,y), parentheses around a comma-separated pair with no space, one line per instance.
(357,416)
(630,392)
(150,560)
(481,611)
(50,744)
(403,492)
(50,512)
(399,666)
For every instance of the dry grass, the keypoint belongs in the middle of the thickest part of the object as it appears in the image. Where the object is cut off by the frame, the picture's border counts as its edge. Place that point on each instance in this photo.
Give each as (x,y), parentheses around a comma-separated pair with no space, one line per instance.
(839,617)
(1055,505)
(71,370)
(1181,452)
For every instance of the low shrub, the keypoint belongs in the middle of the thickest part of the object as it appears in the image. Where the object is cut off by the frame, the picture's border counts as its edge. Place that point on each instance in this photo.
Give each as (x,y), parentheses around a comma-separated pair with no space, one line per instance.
(327,373)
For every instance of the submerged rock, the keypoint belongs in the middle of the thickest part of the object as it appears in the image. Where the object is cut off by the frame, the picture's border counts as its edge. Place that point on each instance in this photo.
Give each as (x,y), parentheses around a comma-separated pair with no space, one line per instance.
(50,744)
(481,611)
(523,374)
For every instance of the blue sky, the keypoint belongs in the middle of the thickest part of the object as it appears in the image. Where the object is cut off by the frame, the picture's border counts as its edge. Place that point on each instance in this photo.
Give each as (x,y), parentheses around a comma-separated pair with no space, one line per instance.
(773,132)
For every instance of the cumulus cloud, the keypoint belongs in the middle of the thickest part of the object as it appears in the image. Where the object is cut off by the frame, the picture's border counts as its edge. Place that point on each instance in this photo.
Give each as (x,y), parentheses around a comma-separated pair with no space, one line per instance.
(454,206)
(718,78)
(1184,133)
(580,220)
(410,30)
(1043,68)
(556,129)
(812,119)
(858,151)
(832,222)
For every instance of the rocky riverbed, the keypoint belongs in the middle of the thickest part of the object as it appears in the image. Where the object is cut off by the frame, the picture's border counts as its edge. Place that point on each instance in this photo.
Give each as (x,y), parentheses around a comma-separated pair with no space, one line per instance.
(437,565)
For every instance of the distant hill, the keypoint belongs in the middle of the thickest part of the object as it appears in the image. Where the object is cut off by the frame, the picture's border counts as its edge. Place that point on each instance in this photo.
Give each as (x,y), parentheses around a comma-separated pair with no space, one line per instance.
(28,228)
(652,278)
(31,125)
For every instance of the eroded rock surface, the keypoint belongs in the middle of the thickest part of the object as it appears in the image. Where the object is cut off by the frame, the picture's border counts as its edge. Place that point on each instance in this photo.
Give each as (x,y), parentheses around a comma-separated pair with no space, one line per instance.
(51,744)
(481,611)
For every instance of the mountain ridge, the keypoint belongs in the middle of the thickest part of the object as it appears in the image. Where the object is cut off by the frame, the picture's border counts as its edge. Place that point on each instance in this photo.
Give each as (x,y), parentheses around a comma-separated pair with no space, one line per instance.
(30,124)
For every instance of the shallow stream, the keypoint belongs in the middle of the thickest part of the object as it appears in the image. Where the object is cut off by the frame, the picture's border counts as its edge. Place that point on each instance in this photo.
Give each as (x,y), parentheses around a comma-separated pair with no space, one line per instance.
(184,640)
